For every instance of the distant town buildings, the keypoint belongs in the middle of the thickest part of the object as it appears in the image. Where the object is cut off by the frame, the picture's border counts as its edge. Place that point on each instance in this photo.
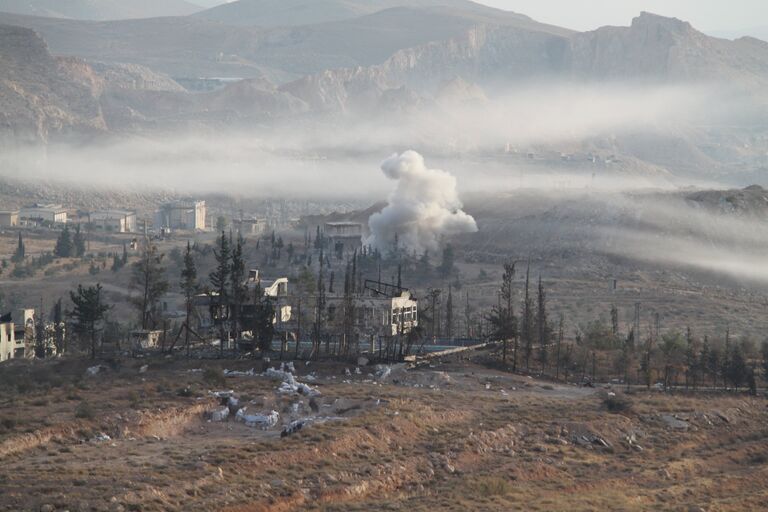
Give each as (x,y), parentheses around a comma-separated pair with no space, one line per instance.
(182,215)
(114,221)
(53,213)
(9,218)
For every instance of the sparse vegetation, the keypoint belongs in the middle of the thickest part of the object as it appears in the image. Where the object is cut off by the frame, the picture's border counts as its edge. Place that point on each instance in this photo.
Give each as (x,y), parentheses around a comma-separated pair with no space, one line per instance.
(84,410)
(618,403)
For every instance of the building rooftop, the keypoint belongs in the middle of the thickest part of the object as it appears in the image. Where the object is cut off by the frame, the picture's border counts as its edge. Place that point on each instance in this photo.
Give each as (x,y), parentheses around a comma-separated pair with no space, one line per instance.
(111,213)
(39,206)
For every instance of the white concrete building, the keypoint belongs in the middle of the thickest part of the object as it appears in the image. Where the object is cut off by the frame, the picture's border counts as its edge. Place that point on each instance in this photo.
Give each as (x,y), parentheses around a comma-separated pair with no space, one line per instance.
(24,325)
(7,338)
(182,215)
(53,213)
(114,221)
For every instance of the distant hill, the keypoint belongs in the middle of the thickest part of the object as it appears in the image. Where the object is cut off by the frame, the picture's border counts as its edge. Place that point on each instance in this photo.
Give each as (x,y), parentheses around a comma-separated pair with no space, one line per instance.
(99,9)
(275,13)
(194,46)
(653,49)
(756,32)
(751,201)
(117,75)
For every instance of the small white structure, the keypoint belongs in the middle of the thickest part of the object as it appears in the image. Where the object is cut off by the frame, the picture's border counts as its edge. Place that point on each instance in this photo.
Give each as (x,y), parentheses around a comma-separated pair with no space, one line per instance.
(250,227)
(54,213)
(114,221)
(24,326)
(7,338)
(145,340)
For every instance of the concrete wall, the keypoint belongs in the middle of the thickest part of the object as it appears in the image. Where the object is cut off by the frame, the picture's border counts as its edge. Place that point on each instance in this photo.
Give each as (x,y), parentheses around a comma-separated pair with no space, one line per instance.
(7,341)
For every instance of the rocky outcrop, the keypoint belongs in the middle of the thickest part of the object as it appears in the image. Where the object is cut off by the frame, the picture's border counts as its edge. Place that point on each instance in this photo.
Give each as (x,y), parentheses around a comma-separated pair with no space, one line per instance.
(659,48)
(134,77)
(41,96)
(653,48)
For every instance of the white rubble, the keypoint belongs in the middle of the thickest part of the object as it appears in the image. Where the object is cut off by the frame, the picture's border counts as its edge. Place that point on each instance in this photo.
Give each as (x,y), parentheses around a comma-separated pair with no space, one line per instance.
(262,421)
(219,415)
(236,373)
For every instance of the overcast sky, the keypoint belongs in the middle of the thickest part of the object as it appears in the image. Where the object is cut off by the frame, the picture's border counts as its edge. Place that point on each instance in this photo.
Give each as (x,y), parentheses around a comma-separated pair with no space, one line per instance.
(706,15)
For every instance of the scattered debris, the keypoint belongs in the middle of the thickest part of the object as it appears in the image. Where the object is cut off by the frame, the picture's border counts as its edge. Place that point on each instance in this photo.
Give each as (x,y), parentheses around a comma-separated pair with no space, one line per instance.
(95,370)
(101,437)
(233,404)
(218,415)
(631,441)
(262,421)
(236,373)
(290,384)
(382,372)
(362,361)
(144,369)
(294,427)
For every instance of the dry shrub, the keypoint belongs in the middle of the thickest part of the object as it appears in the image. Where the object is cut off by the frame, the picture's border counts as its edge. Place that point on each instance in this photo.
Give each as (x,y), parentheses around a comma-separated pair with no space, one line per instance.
(617,403)
(214,376)
(491,486)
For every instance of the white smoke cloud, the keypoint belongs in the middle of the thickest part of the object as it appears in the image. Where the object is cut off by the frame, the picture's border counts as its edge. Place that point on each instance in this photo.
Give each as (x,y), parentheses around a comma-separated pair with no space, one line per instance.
(423,207)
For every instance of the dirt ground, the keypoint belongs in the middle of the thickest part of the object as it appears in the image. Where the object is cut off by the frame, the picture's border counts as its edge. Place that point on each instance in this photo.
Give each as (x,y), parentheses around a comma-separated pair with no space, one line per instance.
(454,436)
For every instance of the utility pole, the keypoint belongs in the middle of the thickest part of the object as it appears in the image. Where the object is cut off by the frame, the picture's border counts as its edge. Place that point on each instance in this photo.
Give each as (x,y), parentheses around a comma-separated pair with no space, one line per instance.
(636,328)
(434,297)
(467,319)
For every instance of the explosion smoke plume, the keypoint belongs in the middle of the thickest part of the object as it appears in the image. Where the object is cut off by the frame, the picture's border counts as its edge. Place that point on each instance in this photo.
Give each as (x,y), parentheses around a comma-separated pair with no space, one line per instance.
(423,207)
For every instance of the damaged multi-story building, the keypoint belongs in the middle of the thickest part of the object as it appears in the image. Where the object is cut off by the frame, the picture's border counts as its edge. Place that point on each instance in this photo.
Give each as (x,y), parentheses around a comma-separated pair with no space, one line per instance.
(23,336)
(344,238)
(210,314)
(371,317)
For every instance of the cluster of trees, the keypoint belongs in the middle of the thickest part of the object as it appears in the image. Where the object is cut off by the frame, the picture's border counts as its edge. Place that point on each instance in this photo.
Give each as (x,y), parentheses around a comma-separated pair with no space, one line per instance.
(527,331)
(69,245)
(120,260)
(599,350)
(228,294)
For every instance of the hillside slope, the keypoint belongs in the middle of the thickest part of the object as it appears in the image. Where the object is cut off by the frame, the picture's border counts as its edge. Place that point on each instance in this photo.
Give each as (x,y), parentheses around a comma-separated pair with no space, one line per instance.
(99,9)
(276,13)
(194,46)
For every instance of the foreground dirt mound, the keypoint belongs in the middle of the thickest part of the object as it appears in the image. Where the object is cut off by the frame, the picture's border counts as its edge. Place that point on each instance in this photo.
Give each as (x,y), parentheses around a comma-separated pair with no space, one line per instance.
(458,446)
